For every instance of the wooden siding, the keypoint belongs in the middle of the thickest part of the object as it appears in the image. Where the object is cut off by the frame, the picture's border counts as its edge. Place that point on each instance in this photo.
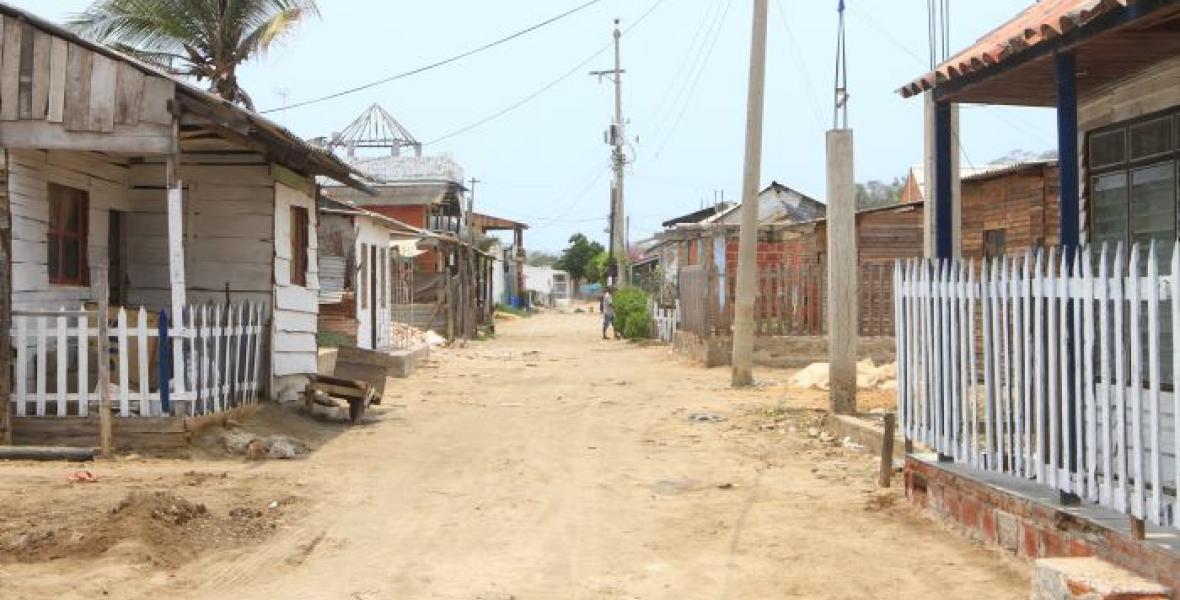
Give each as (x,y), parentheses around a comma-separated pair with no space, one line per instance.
(1022,205)
(295,307)
(229,239)
(60,95)
(883,236)
(1143,92)
(31,172)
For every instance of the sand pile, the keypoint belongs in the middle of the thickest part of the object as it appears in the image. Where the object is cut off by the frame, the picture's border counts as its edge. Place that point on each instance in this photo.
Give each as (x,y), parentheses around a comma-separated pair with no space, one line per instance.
(869,376)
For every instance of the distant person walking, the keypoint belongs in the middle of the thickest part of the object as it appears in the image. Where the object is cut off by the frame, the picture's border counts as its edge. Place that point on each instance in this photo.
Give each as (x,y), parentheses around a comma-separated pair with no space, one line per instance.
(607,306)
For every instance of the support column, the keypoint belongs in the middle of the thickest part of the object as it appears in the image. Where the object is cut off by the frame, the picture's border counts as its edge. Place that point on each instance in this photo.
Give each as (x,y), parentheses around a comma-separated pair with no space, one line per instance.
(1065,69)
(1067,150)
(943,213)
(176,261)
(843,275)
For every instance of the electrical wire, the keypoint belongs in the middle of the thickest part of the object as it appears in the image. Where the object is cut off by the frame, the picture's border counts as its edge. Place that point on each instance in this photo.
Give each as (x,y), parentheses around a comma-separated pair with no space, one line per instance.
(798,57)
(439,63)
(532,96)
(696,81)
(679,81)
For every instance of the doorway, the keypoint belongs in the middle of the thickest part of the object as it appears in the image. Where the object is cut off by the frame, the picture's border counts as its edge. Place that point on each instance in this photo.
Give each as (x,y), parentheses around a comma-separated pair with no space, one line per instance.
(116,265)
(374,310)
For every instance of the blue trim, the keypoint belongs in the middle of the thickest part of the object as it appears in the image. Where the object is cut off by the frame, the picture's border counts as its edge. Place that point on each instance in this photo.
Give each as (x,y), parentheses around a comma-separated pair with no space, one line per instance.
(164,354)
(1065,68)
(1066,75)
(943,181)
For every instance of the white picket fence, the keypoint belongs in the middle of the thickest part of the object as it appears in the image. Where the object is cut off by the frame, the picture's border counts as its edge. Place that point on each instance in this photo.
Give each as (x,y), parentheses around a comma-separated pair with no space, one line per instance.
(990,355)
(665,321)
(218,348)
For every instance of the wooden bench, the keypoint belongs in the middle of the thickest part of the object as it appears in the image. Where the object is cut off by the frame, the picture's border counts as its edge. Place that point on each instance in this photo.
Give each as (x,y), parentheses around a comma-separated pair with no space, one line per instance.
(334,392)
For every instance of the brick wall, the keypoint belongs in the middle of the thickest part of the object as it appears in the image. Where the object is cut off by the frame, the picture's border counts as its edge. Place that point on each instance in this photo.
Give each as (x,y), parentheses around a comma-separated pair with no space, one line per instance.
(1031,528)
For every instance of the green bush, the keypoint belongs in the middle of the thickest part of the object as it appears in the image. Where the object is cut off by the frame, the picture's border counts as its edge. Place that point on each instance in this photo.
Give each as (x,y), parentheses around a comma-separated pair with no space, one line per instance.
(632,314)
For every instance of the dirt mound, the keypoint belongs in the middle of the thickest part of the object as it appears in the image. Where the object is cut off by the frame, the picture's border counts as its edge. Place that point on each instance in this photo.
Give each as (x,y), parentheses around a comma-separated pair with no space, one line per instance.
(158,527)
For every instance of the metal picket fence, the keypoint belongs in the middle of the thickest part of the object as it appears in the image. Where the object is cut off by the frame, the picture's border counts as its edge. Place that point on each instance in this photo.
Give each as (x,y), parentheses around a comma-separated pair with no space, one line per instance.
(1049,367)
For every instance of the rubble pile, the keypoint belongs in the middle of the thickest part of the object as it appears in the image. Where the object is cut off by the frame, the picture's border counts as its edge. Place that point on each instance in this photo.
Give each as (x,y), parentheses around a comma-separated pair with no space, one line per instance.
(407,336)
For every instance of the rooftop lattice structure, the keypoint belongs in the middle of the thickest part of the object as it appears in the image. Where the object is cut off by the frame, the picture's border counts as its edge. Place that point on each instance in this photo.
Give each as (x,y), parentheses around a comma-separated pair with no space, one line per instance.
(375,129)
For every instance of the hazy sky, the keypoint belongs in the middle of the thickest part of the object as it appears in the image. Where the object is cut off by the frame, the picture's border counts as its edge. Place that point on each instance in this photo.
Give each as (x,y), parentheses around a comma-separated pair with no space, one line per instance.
(684,93)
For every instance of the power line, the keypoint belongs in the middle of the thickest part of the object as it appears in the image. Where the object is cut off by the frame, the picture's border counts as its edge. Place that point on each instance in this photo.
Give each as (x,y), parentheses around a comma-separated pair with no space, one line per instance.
(798,57)
(672,92)
(696,80)
(440,63)
(546,87)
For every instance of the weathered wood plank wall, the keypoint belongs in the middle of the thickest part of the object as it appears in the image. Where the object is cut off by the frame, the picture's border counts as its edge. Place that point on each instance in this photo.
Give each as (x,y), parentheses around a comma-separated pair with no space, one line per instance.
(51,87)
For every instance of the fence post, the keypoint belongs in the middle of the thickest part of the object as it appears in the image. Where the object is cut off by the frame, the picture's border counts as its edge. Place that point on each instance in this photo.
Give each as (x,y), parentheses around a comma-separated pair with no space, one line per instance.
(163,354)
(105,419)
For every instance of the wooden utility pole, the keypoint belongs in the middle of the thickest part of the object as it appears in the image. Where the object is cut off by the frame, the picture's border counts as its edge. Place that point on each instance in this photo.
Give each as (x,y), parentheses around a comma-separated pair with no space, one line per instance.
(617,137)
(743,329)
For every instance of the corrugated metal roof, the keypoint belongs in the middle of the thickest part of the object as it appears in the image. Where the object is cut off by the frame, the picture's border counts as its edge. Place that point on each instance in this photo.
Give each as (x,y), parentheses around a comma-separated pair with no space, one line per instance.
(1037,24)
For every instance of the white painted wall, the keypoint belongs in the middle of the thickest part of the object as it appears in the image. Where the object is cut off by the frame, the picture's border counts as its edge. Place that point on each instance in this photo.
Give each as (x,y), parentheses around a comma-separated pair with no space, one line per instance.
(229,234)
(371,234)
(295,307)
(30,173)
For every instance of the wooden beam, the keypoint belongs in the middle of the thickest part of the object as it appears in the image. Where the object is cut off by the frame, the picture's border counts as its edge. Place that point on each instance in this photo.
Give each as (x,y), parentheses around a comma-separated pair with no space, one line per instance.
(10,70)
(59,54)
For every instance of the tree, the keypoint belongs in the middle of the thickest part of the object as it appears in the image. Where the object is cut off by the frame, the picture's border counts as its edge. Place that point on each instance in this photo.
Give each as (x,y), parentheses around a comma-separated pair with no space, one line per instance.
(875,194)
(596,268)
(210,39)
(538,258)
(577,256)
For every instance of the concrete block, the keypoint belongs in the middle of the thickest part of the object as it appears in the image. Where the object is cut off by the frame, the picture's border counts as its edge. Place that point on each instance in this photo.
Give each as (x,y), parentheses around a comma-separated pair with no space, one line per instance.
(1008,531)
(1091,579)
(403,363)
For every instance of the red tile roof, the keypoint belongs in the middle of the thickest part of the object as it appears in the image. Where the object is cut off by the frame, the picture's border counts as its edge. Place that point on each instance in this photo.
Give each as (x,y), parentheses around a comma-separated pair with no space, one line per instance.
(1039,23)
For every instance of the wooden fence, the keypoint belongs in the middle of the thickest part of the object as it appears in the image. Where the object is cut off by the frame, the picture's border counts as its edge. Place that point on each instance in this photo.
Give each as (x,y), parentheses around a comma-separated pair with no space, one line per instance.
(219,350)
(697,283)
(1049,368)
(792,300)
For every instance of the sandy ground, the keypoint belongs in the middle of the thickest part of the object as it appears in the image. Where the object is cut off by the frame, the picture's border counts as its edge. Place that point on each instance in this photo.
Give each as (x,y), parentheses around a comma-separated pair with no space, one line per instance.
(543,464)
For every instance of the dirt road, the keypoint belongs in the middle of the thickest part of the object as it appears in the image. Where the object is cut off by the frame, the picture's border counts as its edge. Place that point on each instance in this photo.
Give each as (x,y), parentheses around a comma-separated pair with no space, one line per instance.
(543,464)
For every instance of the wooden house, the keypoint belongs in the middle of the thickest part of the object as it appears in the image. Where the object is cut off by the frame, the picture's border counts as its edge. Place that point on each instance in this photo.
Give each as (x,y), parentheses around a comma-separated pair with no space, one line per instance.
(363,273)
(199,215)
(1082,407)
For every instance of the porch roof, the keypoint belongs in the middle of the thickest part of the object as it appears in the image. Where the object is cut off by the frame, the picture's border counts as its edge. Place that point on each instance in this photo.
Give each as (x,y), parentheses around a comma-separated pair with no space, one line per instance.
(203,113)
(1013,64)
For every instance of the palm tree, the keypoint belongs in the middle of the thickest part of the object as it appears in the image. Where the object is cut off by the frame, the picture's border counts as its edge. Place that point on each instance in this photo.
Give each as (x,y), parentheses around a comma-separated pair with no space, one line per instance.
(205,39)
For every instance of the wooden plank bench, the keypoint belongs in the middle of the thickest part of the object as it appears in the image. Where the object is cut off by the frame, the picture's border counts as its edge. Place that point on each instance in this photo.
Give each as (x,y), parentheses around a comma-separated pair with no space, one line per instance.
(335,392)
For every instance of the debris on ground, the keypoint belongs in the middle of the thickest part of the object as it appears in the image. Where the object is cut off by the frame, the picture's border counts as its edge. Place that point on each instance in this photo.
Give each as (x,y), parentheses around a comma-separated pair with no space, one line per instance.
(255,447)
(851,445)
(706,417)
(82,477)
(434,340)
(407,336)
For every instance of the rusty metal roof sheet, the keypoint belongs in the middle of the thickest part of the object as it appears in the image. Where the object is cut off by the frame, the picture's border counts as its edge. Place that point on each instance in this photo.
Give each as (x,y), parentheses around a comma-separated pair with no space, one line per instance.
(1037,24)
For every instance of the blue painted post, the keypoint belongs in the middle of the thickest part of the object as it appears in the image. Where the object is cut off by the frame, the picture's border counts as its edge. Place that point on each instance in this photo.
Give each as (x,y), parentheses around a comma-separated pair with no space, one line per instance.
(1065,68)
(943,183)
(164,354)
(1067,150)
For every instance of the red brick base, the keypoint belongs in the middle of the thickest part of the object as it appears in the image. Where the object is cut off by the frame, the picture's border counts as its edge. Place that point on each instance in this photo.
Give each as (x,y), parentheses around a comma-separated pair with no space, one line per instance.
(1031,528)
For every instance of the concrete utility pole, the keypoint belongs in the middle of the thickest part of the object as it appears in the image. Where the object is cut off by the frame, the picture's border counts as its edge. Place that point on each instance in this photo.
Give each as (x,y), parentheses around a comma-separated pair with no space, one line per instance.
(617,138)
(743,329)
(843,257)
